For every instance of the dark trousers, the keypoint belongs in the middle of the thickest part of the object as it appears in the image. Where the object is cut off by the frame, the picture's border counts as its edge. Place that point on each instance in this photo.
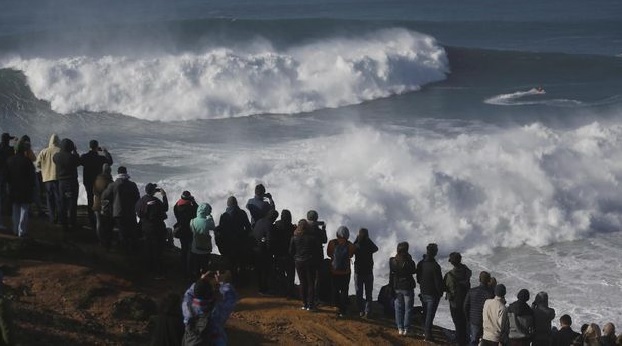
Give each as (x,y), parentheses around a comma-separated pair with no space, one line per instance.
(154,246)
(185,244)
(341,284)
(485,342)
(68,190)
(306,275)
(103,227)
(520,342)
(457,315)
(263,268)
(364,284)
(476,333)
(52,197)
(286,272)
(128,233)
(89,201)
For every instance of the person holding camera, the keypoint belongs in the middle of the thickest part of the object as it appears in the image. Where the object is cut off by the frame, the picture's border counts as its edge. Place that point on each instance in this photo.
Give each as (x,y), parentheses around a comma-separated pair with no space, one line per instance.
(152,213)
(92,163)
(67,162)
(258,206)
(185,210)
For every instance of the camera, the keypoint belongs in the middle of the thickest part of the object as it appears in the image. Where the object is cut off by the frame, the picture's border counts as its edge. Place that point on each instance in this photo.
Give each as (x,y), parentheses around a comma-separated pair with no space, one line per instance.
(321,223)
(267,195)
(158,189)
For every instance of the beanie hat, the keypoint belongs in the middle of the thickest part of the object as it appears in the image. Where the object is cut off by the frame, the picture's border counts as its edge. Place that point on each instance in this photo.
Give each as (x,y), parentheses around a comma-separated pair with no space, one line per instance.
(500,290)
(122,170)
(186,195)
(343,232)
(150,188)
(523,295)
(93,144)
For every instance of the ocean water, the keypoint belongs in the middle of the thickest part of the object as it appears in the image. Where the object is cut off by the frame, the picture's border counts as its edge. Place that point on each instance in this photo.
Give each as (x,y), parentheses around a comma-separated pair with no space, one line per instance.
(418,120)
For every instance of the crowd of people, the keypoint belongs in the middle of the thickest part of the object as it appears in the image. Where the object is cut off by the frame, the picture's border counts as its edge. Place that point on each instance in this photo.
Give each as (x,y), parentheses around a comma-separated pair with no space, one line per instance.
(270,249)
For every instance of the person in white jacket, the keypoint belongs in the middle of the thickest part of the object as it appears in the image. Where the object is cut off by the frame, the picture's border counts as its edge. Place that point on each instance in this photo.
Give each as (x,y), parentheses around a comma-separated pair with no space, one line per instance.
(496,324)
(47,166)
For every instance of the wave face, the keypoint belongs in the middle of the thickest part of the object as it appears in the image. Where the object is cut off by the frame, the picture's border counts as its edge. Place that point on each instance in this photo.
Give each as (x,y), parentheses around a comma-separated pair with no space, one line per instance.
(229,82)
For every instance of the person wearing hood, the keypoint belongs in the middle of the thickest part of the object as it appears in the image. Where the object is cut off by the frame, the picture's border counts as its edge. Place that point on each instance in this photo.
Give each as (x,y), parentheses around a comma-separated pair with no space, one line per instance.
(263,258)
(152,213)
(430,279)
(457,284)
(92,163)
(47,166)
(364,271)
(402,267)
(495,318)
(474,305)
(520,317)
(103,215)
(6,151)
(21,179)
(340,250)
(234,239)
(122,196)
(278,245)
(302,247)
(201,247)
(543,315)
(67,161)
(185,210)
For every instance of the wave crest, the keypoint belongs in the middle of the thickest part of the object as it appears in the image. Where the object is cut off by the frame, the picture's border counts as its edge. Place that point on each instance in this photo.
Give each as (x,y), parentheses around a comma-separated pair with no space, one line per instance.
(228,82)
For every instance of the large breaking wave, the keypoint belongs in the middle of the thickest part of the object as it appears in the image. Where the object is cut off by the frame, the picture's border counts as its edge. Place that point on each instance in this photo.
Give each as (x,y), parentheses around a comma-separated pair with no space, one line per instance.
(227,82)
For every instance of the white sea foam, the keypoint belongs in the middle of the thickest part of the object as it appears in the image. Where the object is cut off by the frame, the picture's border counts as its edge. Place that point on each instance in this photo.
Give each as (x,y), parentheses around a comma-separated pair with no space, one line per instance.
(518,98)
(226,82)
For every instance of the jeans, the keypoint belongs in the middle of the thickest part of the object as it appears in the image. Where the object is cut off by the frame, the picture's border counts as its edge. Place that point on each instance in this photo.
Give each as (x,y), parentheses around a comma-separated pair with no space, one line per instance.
(306,275)
(52,197)
(404,300)
(20,218)
(430,304)
(364,284)
(476,334)
(341,284)
(68,190)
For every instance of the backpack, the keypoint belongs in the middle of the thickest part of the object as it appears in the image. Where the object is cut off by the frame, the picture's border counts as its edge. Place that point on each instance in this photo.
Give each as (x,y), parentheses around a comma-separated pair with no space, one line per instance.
(341,257)
(202,239)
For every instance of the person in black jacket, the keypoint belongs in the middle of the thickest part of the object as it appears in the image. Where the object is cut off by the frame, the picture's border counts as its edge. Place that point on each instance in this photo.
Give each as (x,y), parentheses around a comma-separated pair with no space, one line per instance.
(122,195)
(431,286)
(67,162)
(520,318)
(263,257)
(565,336)
(278,244)
(234,240)
(402,269)
(21,179)
(92,163)
(6,151)
(302,247)
(457,283)
(152,213)
(364,271)
(474,306)
(185,210)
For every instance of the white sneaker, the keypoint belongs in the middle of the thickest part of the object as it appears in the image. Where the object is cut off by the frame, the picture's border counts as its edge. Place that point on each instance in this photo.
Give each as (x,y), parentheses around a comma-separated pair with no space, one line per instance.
(400,331)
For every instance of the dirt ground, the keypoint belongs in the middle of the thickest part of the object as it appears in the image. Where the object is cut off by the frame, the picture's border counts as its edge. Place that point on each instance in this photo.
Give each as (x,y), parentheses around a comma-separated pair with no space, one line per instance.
(67,290)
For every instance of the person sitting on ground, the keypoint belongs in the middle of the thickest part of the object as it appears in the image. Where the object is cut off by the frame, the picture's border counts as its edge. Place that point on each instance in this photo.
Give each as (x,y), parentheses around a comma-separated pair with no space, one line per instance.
(474,305)
(302,247)
(152,213)
(430,279)
(565,336)
(457,284)
(234,240)
(609,335)
(543,315)
(21,179)
(495,319)
(278,244)
(257,206)
(402,268)
(103,215)
(92,163)
(48,176)
(206,307)
(185,210)
(201,247)
(263,257)
(340,251)
(364,271)
(6,317)
(520,317)
(592,334)
(122,195)
(168,325)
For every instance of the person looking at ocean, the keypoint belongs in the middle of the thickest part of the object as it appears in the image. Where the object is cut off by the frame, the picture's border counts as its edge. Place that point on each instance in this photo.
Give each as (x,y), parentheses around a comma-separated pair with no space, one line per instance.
(474,305)
(201,248)
(402,268)
(67,162)
(543,315)
(233,238)
(21,179)
(364,271)
(185,210)
(47,166)
(257,206)
(278,244)
(6,151)
(152,213)
(92,163)
(263,257)
(520,318)
(302,247)
(430,280)
(103,215)
(122,195)
(565,336)
(318,230)
(340,250)
(495,319)
(457,283)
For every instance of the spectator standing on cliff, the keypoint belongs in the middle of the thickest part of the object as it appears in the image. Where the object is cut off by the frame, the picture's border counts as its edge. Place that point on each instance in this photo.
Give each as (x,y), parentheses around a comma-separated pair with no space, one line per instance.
(152,213)
(47,166)
(92,163)
(430,280)
(103,214)
(263,257)
(402,268)
(520,318)
(234,239)
(278,244)
(495,319)
(302,247)
(201,248)
(340,251)
(185,210)
(565,336)
(457,284)
(122,195)
(543,315)
(6,151)
(364,271)
(258,206)
(474,305)
(21,179)
(67,162)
